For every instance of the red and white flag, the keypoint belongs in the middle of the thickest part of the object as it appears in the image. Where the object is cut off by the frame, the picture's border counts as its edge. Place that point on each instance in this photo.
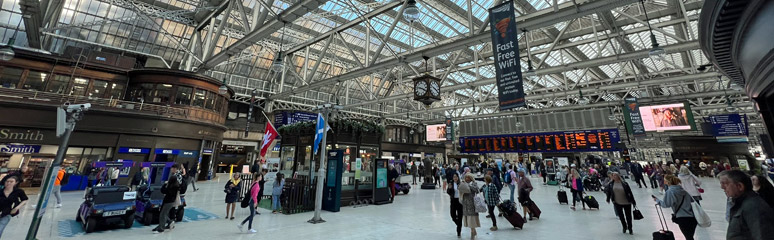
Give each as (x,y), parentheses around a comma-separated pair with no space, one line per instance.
(269,135)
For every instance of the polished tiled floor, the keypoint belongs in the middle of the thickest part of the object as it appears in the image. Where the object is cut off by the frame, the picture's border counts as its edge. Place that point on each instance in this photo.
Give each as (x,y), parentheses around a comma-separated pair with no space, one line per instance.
(422,214)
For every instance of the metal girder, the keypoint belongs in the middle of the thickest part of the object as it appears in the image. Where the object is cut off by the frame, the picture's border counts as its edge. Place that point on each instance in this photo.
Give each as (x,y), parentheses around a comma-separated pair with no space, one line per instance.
(384,8)
(558,69)
(607,20)
(289,15)
(590,91)
(606,104)
(154,11)
(107,46)
(532,21)
(33,18)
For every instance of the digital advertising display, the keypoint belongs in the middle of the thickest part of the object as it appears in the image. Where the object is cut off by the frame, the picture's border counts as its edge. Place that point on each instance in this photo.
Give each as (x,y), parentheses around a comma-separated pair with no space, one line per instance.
(568,141)
(436,133)
(667,117)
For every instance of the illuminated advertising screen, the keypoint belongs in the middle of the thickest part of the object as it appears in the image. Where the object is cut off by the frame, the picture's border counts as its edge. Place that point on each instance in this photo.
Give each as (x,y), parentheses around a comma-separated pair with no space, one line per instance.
(667,117)
(569,141)
(436,133)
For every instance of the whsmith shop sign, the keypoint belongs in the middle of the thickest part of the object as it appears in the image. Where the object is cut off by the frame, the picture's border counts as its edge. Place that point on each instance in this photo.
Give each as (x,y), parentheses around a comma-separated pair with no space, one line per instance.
(510,87)
(10,148)
(20,135)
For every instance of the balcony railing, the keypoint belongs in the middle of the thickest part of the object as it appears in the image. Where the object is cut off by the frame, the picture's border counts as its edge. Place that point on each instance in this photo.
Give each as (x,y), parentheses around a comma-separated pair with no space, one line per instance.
(29,96)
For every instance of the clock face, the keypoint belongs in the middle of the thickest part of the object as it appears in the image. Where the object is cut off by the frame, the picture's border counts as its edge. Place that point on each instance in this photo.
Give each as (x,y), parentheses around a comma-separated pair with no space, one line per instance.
(420,88)
(435,89)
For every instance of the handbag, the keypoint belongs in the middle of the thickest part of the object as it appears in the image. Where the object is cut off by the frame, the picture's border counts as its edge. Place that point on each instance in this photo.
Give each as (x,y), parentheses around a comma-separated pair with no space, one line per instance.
(674,217)
(479,203)
(701,190)
(701,217)
(637,215)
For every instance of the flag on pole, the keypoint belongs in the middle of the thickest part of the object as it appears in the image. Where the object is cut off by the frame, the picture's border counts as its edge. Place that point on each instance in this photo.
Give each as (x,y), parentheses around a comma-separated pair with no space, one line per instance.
(269,135)
(321,124)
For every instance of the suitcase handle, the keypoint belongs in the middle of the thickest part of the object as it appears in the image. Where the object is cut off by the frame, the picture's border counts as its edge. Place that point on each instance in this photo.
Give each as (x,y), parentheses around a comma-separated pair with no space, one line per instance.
(661,217)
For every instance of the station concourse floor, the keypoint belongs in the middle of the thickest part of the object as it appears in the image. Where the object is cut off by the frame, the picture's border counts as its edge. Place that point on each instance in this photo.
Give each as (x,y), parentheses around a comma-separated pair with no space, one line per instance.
(422,214)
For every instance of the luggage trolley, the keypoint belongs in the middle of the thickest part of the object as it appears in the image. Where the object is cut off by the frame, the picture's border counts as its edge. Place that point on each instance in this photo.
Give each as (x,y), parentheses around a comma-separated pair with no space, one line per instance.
(551,170)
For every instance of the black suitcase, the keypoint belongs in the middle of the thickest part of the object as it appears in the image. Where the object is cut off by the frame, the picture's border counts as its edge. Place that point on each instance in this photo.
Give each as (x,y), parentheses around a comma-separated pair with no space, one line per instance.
(591,202)
(507,207)
(664,233)
(562,196)
(515,219)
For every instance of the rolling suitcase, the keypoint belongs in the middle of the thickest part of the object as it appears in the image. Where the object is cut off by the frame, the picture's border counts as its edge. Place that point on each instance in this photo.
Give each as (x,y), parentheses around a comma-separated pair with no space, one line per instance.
(562,196)
(534,211)
(507,207)
(515,219)
(591,202)
(664,233)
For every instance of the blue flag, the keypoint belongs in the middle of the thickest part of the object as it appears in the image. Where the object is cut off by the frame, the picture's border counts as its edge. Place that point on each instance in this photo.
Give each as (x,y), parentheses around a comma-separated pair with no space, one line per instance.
(321,124)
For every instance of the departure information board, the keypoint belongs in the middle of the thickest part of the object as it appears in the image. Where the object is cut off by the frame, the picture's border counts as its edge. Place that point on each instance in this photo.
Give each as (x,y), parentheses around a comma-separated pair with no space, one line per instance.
(570,141)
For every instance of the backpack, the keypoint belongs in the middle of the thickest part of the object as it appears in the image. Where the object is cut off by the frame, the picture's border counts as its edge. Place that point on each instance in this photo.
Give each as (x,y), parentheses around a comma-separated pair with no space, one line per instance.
(508,177)
(183,185)
(65,179)
(245,200)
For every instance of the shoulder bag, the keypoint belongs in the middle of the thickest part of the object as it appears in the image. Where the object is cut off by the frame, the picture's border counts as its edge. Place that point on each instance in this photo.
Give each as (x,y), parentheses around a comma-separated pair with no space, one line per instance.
(478,201)
(701,217)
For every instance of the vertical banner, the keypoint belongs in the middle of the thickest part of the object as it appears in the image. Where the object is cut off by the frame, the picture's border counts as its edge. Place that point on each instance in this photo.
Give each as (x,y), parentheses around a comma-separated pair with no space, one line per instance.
(633,117)
(358,166)
(449,129)
(510,88)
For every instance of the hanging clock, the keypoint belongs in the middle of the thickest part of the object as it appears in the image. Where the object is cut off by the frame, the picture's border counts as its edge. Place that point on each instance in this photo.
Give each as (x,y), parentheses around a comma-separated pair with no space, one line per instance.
(427,89)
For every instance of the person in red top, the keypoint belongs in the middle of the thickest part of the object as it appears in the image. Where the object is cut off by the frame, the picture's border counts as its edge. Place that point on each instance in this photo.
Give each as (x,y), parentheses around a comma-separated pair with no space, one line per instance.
(256,187)
(58,186)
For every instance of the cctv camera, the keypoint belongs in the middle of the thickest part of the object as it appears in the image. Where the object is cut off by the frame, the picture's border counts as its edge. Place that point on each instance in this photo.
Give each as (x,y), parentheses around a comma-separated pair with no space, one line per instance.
(84,107)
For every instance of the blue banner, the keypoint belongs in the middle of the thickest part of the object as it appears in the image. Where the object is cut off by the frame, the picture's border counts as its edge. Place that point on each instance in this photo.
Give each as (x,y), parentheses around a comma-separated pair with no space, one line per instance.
(505,44)
(569,141)
(729,125)
(133,150)
(12,148)
(319,132)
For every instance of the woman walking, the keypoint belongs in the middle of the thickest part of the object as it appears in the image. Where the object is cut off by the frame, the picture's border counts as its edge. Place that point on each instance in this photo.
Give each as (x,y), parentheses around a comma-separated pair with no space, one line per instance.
(171,191)
(525,187)
(690,183)
(576,187)
(254,189)
(621,194)
(680,202)
(232,194)
(468,189)
(492,197)
(456,205)
(12,200)
(276,192)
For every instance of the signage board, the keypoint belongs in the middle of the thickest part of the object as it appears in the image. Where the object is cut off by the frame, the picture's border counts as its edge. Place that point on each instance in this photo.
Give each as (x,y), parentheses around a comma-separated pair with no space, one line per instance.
(510,87)
(569,141)
(13,148)
(133,150)
(633,117)
(729,125)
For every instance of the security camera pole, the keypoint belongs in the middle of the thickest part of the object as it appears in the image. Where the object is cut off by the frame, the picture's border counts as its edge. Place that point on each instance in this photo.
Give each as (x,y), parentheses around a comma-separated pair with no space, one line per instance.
(66,117)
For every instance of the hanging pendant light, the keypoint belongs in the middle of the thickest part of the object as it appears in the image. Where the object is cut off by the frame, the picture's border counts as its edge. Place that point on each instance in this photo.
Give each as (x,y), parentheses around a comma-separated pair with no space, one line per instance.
(6,52)
(223,89)
(411,13)
(730,105)
(656,53)
(530,74)
(278,64)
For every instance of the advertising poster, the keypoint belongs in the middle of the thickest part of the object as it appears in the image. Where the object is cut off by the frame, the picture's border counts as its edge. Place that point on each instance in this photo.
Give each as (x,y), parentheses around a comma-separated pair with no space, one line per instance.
(510,87)
(436,132)
(633,117)
(449,129)
(381,178)
(667,117)
(358,166)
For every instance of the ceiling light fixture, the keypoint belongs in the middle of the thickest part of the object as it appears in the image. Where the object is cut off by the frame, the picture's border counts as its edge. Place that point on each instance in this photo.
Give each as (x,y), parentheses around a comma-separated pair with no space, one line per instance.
(411,13)
(656,53)
(730,107)
(530,74)
(6,52)
(223,89)
(582,100)
(278,64)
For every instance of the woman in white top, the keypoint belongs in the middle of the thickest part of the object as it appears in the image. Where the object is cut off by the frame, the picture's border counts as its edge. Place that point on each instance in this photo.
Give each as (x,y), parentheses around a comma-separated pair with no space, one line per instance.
(690,183)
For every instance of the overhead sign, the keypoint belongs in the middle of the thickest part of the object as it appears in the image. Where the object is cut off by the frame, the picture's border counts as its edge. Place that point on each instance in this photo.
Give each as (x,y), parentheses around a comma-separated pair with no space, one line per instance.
(449,129)
(510,87)
(285,118)
(729,125)
(133,150)
(633,117)
(570,141)
(10,148)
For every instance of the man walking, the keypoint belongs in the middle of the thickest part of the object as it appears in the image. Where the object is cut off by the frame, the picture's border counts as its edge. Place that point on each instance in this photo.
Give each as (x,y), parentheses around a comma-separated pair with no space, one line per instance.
(750,217)
(637,173)
(511,181)
(58,186)
(414,173)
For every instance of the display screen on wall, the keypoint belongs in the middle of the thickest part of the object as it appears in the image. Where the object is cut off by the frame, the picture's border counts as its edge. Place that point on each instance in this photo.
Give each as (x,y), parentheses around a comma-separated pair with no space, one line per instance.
(667,117)
(569,141)
(436,133)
